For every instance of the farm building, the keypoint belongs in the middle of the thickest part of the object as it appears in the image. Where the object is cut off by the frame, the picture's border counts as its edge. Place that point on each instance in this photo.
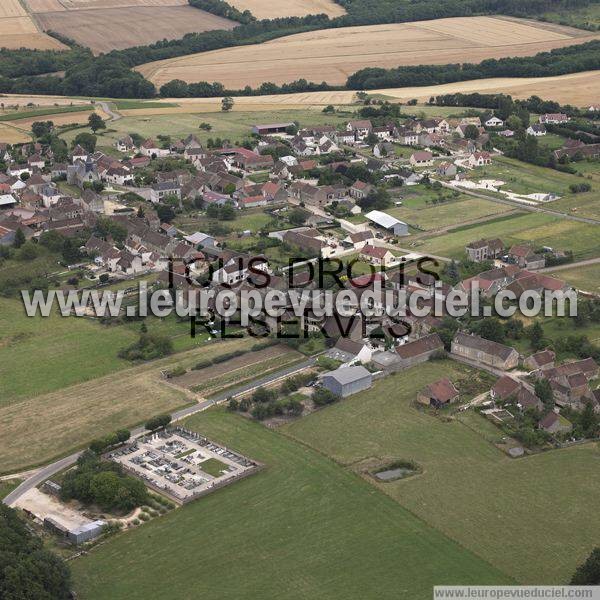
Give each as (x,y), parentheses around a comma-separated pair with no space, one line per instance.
(484,351)
(387,222)
(438,393)
(420,350)
(76,535)
(271,128)
(346,381)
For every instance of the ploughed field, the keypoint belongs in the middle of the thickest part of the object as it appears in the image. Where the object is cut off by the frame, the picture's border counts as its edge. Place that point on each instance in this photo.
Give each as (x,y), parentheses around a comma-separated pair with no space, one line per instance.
(105,25)
(333,55)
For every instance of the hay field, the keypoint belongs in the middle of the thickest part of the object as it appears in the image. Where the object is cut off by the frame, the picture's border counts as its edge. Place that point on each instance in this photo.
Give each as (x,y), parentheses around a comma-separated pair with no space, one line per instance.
(266,9)
(18,30)
(105,25)
(332,56)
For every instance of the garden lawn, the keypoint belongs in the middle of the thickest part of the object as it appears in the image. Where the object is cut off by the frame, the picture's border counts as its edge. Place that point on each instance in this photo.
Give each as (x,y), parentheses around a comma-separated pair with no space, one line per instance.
(302,528)
(534,518)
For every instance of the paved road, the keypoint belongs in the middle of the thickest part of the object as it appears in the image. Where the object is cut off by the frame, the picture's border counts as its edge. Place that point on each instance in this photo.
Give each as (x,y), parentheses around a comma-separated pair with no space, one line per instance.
(113,116)
(50,470)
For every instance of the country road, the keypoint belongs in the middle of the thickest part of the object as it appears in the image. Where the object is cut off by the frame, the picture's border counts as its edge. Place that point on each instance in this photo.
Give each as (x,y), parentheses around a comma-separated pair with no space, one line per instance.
(113,116)
(52,469)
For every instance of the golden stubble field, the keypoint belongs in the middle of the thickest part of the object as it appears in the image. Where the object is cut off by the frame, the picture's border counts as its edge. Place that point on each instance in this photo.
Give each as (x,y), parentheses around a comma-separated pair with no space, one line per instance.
(267,9)
(18,30)
(105,25)
(333,55)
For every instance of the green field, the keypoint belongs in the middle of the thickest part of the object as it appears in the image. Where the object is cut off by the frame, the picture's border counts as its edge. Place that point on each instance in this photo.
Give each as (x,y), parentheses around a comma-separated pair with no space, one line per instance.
(582,205)
(250,219)
(39,355)
(213,467)
(538,229)
(582,278)
(525,178)
(234,126)
(302,528)
(41,112)
(420,212)
(533,518)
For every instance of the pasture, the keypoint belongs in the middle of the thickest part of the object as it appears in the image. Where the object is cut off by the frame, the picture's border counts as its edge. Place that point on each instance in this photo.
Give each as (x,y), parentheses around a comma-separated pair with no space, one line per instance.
(80,409)
(497,507)
(234,126)
(265,9)
(105,25)
(18,30)
(323,56)
(538,229)
(302,528)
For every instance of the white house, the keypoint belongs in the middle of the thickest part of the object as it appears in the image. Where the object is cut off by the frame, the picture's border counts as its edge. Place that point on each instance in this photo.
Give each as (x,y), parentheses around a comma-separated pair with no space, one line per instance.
(479,159)
(494,122)
(537,130)
(421,159)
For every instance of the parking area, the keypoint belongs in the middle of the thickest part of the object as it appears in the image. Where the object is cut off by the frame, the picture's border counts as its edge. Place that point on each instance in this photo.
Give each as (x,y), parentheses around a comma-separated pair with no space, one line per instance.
(182,463)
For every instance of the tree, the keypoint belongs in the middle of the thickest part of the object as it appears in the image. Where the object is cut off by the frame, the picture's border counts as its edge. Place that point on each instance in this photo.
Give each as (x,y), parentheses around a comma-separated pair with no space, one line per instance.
(165,213)
(329,109)
(490,329)
(19,238)
(95,121)
(588,573)
(452,273)
(86,140)
(158,422)
(543,391)
(42,128)
(536,335)
(227,103)
(513,122)
(471,132)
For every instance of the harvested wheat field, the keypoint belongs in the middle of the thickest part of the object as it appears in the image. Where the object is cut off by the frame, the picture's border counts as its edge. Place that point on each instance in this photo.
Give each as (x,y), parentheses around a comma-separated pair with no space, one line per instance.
(267,9)
(17,29)
(332,56)
(10,135)
(579,89)
(105,25)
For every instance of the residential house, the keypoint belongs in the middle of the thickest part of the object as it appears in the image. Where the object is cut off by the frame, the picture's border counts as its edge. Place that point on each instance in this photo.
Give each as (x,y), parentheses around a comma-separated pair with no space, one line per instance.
(421,159)
(484,249)
(479,159)
(536,130)
(540,361)
(494,122)
(554,118)
(446,169)
(381,257)
(486,352)
(160,191)
(351,351)
(360,190)
(555,423)
(524,256)
(419,351)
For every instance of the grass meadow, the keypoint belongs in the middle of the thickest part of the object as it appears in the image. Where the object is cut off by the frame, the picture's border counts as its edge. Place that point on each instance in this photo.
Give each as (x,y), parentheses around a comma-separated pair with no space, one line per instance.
(532,518)
(538,229)
(302,528)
